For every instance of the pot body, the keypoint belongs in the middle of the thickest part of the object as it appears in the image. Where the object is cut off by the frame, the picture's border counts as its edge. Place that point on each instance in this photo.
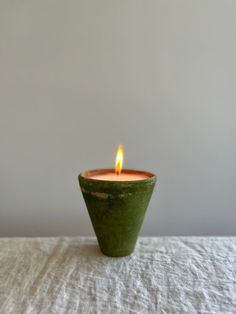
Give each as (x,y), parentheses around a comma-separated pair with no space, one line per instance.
(117,211)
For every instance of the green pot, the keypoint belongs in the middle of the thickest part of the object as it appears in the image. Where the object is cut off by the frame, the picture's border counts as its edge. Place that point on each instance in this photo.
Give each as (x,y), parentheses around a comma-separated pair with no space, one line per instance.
(116,209)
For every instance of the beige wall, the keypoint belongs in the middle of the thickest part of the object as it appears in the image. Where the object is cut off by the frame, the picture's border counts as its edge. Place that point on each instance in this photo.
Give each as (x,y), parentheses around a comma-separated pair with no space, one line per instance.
(79,77)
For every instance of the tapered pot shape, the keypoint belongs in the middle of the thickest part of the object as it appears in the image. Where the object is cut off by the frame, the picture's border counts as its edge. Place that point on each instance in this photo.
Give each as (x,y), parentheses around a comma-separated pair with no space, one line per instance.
(116,209)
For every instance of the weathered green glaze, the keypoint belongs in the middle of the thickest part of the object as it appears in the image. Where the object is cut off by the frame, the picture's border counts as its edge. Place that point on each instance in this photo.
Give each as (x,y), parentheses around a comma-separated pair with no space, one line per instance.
(116,209)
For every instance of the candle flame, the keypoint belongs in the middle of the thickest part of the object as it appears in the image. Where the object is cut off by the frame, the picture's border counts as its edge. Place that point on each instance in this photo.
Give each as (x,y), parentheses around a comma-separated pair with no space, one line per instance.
(119,159)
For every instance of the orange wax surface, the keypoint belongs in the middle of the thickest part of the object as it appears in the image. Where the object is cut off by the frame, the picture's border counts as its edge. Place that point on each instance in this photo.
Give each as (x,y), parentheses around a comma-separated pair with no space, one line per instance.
(119,177)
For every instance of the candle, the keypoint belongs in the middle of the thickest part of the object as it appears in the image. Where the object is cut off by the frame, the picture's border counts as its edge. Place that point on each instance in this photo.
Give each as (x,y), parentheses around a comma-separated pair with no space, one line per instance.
(111,176)
(117,200)
(117,174)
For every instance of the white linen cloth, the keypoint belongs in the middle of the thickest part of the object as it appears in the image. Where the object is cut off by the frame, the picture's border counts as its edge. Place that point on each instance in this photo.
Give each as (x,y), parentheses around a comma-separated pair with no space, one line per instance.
(163,275)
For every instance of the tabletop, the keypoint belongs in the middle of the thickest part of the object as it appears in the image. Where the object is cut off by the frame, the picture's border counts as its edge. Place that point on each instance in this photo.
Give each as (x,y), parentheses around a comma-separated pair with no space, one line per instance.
(163,275)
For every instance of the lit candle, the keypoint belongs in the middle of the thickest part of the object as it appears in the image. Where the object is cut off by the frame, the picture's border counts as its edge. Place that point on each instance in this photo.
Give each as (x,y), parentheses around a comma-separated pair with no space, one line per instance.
(117,174)
(117,200)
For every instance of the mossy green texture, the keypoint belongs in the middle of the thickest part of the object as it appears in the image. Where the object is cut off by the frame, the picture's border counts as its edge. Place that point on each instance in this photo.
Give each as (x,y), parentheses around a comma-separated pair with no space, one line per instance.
(117,210)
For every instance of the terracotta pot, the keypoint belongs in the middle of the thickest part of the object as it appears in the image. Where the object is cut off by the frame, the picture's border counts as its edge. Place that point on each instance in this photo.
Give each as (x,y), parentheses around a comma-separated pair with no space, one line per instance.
(116,209)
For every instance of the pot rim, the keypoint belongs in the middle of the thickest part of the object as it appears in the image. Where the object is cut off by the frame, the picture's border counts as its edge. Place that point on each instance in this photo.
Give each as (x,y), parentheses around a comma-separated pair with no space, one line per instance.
(88,174)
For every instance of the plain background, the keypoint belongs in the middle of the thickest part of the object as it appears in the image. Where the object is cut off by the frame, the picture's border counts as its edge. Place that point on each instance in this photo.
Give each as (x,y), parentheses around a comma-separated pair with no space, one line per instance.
(77,78)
